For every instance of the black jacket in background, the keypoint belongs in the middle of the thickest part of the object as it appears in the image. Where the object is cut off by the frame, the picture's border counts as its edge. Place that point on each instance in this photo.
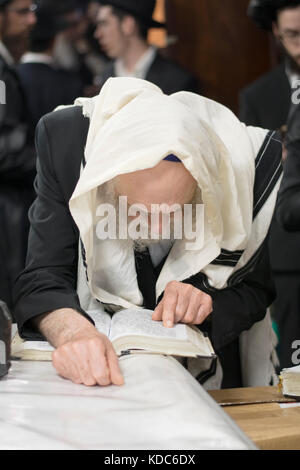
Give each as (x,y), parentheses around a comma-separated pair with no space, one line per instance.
(46,88)
(266,102)
(5,281)
(50,279)
(167,75)
(288,212)
(17,171)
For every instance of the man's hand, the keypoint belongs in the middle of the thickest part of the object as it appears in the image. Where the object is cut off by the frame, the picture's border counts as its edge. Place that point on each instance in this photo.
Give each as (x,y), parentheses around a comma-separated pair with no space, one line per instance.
(83,355)
(89,360)
(183,303)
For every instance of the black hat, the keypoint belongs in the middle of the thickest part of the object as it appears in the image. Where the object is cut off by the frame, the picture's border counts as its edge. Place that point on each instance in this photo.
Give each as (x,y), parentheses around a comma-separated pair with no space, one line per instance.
(3,3)
(48,23)
(60,7)
(264,12)
(140,9)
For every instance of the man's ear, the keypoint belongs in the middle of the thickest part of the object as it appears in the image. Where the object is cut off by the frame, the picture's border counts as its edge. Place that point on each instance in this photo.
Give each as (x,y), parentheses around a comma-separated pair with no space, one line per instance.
(275,29)
(128,25)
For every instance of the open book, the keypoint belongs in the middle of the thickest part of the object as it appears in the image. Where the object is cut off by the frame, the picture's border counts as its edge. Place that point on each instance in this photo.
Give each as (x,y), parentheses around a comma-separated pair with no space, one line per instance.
(131,331)
(290,380)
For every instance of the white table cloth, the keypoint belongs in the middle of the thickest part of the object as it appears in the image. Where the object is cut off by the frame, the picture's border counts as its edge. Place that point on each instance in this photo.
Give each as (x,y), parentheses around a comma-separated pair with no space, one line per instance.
(160,407)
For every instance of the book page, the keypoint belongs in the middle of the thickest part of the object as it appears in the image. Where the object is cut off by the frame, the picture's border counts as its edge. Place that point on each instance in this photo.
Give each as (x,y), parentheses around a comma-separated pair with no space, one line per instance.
(37,346)
(291,370)
(139,322)
(102,321)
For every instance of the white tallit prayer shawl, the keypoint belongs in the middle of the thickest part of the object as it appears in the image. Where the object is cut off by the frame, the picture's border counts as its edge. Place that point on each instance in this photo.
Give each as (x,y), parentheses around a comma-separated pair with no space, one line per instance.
(133,126)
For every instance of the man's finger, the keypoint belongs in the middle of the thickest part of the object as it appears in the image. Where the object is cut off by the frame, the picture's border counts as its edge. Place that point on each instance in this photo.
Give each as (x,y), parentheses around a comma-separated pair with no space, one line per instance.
(195,302)
(202,314)
(114,367)
(169,308)
(59,365)
(183,302)
(81,361)
(98,363)
(70,370)
(158,312)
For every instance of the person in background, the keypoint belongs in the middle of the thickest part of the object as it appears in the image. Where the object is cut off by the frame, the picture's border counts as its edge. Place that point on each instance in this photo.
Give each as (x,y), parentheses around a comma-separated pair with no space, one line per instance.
(267,103)
(288,209)
(122,33)
(45,85)
(70,50)
(288,215)
(17,154)
(18,23)
(95,58)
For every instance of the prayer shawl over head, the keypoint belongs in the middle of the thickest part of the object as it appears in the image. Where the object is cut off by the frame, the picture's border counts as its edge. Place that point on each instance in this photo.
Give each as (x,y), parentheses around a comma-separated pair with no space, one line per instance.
(133,126)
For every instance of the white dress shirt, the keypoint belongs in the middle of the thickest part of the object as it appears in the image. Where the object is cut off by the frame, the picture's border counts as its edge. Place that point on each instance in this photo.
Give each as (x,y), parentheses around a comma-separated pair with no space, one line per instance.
(37,58)
(141,67)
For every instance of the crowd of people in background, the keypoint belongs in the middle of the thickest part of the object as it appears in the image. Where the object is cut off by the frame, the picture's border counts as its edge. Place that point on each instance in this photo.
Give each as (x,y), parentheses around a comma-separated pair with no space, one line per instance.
(53,51)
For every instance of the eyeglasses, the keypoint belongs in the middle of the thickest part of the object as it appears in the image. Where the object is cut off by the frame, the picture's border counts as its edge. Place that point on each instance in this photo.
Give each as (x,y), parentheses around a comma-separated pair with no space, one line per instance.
(24,11)
(290,37)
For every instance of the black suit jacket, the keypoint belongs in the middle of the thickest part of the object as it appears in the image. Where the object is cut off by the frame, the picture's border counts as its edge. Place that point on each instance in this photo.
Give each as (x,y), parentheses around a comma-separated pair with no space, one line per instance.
(288,212)
(46,88)
(5,281)
(50,279)
(165,74)
(266,102)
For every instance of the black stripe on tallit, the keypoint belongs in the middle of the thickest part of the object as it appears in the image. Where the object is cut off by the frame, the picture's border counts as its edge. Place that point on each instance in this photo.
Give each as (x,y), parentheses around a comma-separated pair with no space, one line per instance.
(228,258)
(83,254)
(241,273)
(268,169)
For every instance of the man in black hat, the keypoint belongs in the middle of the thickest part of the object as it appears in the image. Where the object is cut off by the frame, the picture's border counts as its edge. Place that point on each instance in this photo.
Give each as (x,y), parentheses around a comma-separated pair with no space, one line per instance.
(17,156)
(267,103)
(46,86)
(122,33)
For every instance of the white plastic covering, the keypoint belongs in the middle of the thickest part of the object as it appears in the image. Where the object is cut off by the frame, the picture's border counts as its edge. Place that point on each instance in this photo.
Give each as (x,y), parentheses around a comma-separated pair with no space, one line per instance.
(160,407)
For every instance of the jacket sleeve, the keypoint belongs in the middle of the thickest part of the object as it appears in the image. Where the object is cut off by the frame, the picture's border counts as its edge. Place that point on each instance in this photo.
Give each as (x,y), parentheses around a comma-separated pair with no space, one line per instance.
(49,280)
(246,112)
(237,308)
(288,206)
